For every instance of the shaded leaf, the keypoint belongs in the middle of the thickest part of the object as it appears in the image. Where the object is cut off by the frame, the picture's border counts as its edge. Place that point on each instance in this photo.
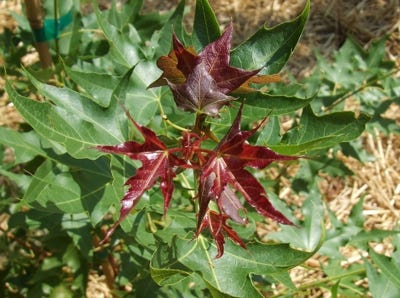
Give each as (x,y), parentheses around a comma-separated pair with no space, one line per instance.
(55,189)
(26,145)
(230,274)
(389,268)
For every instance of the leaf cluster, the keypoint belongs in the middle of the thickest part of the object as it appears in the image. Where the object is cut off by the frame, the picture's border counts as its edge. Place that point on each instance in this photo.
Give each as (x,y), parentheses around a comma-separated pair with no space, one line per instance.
(68,193)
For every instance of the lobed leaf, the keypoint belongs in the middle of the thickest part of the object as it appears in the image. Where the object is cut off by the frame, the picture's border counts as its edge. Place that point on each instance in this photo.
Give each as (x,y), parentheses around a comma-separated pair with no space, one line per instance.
(215,57)
(379,284)
(26,145)
(216,224)
(56,189)
(100,86)
(388,267)
(259,104)
(69,125)
(200,83)
(123,41)
(157,163)
(308,236)
(270,48)
(199,93)
(231,274)
(224,168)
(174,24)
(319,132)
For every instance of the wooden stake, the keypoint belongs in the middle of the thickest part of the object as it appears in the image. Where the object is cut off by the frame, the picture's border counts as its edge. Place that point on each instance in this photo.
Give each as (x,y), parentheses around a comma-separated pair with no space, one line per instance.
(34,14)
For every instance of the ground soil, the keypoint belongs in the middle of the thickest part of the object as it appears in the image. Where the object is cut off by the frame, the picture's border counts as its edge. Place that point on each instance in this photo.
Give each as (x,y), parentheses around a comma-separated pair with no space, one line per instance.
(330,23)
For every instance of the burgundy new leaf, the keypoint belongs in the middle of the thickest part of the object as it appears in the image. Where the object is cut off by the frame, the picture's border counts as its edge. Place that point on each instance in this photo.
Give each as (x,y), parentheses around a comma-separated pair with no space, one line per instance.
(216,224)
(208,76)
(157,164)
(186,60)
(177,65)
(225,169)
(216,56)
(199,93)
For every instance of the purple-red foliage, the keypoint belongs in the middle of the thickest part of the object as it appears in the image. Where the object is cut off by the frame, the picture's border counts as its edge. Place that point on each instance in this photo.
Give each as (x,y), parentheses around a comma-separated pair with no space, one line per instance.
(202,83)
(222,175)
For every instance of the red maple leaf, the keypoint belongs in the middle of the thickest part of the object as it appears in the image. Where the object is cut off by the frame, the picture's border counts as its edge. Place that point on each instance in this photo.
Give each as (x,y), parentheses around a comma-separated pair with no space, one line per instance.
(216,223)
(201,83)
(225,171)
(158,163)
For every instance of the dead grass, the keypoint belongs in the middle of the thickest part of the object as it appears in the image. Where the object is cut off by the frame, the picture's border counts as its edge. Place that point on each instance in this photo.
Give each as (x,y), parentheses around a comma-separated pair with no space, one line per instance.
(378,183)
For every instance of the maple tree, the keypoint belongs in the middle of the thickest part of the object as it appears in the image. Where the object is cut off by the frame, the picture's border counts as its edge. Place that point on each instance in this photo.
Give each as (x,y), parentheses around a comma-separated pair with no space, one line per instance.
(192,180)
(202,84)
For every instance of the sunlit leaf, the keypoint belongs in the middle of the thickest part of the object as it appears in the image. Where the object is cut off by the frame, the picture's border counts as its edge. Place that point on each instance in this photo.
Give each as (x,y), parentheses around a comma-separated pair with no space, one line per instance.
(379,284)
(123,41)
(270,48)
(71,119)
(205,25)
(100,86)
(318,132)
(309,234)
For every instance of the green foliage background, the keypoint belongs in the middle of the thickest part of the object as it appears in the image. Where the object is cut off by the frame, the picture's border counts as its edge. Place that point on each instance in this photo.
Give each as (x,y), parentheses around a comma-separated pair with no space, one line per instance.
(61,193)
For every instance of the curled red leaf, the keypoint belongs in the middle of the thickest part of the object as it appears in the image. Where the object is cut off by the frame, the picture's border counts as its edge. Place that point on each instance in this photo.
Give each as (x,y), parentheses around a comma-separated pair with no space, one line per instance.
(201,83)
(217,226)
(199,93)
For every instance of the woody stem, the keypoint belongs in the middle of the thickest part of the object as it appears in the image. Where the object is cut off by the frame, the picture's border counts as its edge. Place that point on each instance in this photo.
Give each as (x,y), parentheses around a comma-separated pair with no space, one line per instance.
(199,124)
